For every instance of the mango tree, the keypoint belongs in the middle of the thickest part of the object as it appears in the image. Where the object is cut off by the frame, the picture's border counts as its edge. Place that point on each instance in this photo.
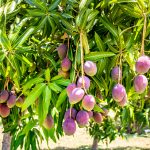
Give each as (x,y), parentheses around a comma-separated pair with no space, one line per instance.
(65,63)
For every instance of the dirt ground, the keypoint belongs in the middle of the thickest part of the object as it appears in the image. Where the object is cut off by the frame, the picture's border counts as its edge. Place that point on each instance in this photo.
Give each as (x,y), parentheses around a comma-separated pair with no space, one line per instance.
(81,140)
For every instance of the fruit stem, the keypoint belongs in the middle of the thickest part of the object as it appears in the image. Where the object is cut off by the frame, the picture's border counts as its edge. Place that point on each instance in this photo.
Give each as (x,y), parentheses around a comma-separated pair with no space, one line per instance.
(120,68)
(70,111)
(82,60)
(67,46)
(143,35)
(75,64)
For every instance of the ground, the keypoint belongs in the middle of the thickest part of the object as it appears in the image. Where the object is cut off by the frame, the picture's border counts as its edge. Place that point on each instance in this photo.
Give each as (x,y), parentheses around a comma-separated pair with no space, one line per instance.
(81,140)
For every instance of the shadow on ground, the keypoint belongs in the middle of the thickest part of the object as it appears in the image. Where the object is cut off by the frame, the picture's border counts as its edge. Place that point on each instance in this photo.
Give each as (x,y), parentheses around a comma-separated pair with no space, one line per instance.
(89,148)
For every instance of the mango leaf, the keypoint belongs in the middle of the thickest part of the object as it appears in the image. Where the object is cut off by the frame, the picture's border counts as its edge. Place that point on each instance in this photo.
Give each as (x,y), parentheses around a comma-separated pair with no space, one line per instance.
(14,34)
(92,15)
(54,5)
(112,48)
(33,95)
(131,11)
(107,24)
(99,42)
(96,56)
(24,59)
(37,3)
(68,25)
(80,16)
(4,41)
(123,1)
(51,134)
(44,102)
(22,38)
(85,43)
(41,23)
(28,127)
(101,64)
(82,4)
(47,74)
(85,18)
(97,108)
(2,57)
(51,59)
(97,81)
(53,86)
(64,82)
(16,64)
(56,77)
(130,41)
(35,12)
(31,82)
(62,97)
(47,95)
(52,24)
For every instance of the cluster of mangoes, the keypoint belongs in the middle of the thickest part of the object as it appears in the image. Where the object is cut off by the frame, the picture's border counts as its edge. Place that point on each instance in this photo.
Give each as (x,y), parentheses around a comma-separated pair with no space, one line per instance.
(118,92)
(66,63)
(142,66)
(77,93)
(7,101)
(82,117)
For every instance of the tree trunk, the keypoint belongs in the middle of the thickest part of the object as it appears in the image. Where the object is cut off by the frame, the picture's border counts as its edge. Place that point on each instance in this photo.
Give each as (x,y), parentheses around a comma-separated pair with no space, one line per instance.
(6,141)
(95,144)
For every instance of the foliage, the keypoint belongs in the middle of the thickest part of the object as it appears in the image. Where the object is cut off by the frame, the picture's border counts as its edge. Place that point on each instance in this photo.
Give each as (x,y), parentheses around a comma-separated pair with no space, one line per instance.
(31,31)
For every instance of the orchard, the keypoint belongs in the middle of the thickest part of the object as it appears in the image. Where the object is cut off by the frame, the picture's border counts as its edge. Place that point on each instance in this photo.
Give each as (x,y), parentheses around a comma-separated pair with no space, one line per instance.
(66,64)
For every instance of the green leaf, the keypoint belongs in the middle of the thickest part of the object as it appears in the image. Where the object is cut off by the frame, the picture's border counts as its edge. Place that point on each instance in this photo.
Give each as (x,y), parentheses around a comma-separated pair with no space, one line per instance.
(47,75)
(123,1)
(64,82)
(52,24)
(99,42)
(62,97)
(37,3)
(109,26)
(33,95)
(97,108)
(97,81)
(22,38)
(35,12)
(45,102)
(47,94)
(28,127)
(16,64)
(82,4)
(131,11)
(53,86)
(85,18)
(51,59)
(112,48)
(14,34)
(96,56)
(51,134)
(101,64)
(130,41)
(41,24)
(54,5)
(68,25)
(31,82)
(4,41)
(85,43)
(79,18)
(24,59)
(2,57)
(92,15)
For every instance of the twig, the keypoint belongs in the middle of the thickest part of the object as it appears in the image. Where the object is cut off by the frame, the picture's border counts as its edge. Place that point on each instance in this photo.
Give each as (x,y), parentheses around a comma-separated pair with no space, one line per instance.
(143,35)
